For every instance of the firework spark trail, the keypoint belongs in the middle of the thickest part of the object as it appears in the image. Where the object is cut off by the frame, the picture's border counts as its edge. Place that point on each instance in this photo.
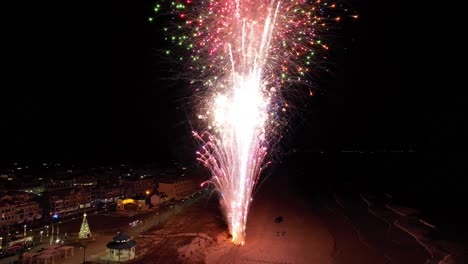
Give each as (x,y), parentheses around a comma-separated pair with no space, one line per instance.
(246,50)
(235,156)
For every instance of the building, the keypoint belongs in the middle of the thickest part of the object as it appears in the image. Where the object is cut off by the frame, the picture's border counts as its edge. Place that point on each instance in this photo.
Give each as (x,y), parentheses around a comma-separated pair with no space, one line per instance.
(54,184)
(155,200)
(138,187)
(18,245)
(19,212)
(121,249)
(85,181)
(48,255)
(15,195)
(69,201)
(132,205)
(34,189)
(107,194)
(18,208)
(177,189)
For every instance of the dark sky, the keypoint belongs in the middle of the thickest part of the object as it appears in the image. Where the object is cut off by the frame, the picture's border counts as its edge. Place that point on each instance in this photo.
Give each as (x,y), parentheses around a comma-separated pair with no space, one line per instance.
(84,81)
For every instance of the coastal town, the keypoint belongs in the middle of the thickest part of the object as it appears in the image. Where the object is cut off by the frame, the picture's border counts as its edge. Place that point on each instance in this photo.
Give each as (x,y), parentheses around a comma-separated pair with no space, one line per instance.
(50,211)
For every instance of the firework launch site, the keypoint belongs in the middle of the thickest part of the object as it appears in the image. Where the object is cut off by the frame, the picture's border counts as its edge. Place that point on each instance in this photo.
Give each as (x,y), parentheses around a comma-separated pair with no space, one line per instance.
(293,221)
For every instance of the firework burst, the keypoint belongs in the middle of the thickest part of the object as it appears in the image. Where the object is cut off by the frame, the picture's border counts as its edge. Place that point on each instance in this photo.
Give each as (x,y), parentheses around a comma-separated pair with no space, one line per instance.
(245,53)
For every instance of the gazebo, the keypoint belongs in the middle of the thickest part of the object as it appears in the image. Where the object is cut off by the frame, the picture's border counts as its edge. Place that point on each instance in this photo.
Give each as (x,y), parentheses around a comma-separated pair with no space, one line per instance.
(121,249)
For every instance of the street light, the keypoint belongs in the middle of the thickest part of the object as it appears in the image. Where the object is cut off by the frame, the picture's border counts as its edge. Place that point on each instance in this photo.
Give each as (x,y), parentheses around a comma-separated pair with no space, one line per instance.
(42,232)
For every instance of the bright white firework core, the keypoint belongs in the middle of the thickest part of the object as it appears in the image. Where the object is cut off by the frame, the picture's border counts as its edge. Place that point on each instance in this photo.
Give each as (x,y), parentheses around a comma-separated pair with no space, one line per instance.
(235,152)
(240,119)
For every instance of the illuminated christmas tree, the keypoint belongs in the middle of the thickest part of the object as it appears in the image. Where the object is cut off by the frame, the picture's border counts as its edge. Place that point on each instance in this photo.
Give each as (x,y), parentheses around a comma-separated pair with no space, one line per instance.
(84,230)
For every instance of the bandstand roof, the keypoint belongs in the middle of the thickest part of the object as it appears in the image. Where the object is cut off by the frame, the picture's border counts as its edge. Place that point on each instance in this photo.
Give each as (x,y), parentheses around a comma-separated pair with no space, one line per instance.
(125,245)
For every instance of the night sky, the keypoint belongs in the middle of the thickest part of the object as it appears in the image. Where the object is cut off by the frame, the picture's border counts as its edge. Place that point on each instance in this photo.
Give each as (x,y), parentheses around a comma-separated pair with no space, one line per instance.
(86,81)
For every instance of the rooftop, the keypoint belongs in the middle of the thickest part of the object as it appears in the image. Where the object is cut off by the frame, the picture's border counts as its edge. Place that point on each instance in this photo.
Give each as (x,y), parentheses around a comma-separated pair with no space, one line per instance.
(126,245)
(121,241)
